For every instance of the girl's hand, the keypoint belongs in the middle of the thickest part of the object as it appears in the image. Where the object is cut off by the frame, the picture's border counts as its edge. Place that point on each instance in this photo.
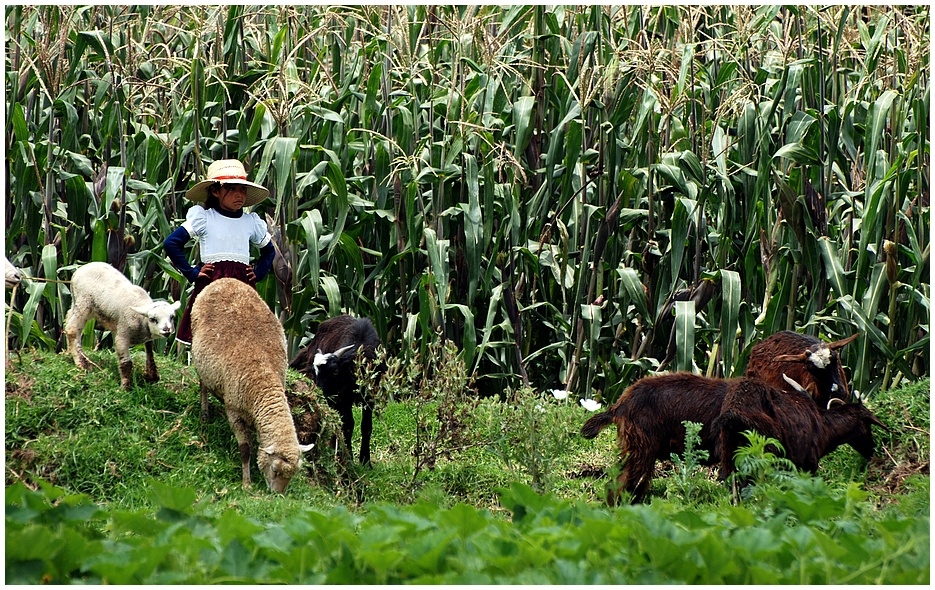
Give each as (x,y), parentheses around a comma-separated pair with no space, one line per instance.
(206,271)
(250,274)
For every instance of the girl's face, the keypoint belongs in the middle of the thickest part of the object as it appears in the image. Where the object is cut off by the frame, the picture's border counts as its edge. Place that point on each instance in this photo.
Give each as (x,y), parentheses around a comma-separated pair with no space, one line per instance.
(231,197)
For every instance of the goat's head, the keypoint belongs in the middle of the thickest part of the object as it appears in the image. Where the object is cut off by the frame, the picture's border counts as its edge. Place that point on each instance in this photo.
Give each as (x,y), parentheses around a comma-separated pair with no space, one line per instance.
(823,363)
(322,359)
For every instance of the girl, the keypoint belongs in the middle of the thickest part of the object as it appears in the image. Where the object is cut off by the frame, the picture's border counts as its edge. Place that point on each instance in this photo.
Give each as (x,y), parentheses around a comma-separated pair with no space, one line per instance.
(223,231)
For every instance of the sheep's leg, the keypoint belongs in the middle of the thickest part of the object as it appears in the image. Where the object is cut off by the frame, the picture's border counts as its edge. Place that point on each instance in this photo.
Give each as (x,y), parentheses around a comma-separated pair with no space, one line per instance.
(150,375)
(638,475)
(122,348)
(74,324)
(204,403)
(366,428)
(243,444)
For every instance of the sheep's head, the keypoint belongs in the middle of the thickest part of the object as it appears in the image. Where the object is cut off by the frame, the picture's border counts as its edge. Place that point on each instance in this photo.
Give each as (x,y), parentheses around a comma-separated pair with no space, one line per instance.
(160,317)
(822,362)
(279,468)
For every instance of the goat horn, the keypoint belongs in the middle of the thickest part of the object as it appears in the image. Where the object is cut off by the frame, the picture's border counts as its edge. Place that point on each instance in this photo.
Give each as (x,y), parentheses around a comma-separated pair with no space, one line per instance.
(306,448)
(834,400)
(840,343)
(795,384)
(341,351)
(797,358)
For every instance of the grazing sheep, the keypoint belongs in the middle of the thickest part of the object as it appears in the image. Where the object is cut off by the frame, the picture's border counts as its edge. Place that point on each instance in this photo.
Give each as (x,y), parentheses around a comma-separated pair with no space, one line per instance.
(649,416)
(806,432)
(100,291)
(13,274)
(329,360)
(239,352)
(805,359)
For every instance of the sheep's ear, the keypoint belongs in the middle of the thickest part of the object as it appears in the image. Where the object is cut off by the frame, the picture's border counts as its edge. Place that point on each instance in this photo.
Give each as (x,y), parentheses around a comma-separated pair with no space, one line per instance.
(176,306)
(795,384)
(270,450)
(306,448)
(140,309)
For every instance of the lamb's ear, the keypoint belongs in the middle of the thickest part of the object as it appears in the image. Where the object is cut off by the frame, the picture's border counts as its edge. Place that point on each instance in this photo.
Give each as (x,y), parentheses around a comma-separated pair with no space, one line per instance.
(142,309)
(176,306)
(306,448)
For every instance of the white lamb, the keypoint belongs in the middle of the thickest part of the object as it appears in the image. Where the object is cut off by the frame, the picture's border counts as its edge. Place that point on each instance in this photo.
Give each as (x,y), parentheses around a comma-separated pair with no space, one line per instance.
(239,351)
(13,274)
(100,291)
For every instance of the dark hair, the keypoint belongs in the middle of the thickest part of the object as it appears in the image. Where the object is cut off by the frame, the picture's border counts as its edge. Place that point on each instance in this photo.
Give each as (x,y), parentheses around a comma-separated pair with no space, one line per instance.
(212,201)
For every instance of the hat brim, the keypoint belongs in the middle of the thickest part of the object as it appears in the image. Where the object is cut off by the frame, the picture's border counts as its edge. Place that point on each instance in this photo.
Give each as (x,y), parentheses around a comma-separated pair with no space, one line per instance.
(255,192)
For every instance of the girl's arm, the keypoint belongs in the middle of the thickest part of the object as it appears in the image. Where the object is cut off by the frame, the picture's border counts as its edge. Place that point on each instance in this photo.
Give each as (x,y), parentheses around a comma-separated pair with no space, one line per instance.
(265,261)
(174,245)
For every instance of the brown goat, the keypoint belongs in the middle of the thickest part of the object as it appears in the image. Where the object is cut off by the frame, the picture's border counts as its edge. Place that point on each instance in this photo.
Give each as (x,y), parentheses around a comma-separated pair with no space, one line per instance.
(649,416)
(806,432)
(805,359)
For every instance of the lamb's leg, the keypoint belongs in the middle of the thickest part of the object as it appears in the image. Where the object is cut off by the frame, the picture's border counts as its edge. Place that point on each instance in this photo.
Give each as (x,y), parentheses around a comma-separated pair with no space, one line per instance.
(366,428)
(243,444)
(75,320)
(122,348)
(151,375)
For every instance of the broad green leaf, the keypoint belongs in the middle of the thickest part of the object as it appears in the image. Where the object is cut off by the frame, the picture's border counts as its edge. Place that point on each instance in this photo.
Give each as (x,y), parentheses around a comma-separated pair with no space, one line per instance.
(684,335)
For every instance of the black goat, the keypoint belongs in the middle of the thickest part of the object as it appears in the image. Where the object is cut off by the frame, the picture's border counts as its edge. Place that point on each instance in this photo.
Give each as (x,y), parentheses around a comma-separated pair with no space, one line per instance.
(806,431)
(329,360)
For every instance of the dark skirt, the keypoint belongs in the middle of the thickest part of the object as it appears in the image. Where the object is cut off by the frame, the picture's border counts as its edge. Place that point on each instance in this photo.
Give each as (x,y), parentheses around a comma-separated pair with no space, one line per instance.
(223,269)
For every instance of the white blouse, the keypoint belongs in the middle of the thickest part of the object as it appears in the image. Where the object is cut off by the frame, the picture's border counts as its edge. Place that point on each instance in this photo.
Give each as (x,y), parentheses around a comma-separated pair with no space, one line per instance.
(225,238)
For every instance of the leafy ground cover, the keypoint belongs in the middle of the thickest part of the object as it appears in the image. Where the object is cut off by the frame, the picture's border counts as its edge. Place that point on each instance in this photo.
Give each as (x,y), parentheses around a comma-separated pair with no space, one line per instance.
(111,486)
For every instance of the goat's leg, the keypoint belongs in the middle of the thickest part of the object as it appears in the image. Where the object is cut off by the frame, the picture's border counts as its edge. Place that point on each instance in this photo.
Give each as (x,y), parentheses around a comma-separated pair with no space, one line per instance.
(347,427)
(366,428)
(151,375)
(122,348)
(74,326)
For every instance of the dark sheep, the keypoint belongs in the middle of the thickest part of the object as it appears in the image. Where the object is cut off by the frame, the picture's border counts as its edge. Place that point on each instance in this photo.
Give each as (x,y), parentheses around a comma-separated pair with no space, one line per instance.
(649,416)
(806,432)
(805,359)
(329,360)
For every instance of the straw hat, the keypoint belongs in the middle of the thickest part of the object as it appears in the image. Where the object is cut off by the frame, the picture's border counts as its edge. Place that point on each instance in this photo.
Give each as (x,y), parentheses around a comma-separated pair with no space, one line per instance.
(227,172)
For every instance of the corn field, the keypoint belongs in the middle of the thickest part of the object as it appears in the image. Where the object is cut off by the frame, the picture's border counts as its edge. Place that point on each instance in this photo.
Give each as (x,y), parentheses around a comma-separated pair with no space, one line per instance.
(574,196)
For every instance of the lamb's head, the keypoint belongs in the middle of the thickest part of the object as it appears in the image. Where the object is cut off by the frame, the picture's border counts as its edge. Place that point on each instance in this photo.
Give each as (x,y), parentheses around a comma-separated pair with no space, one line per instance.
(13,274)
(279,466)
(822,361)
(160,317)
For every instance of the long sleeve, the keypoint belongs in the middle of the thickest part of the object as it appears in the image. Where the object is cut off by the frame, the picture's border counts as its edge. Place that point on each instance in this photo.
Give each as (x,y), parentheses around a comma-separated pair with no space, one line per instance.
(265,262)
(174,246)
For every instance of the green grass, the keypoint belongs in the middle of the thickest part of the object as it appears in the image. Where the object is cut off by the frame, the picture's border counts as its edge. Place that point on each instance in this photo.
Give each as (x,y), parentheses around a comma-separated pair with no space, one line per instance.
(82,432)
(144,493)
